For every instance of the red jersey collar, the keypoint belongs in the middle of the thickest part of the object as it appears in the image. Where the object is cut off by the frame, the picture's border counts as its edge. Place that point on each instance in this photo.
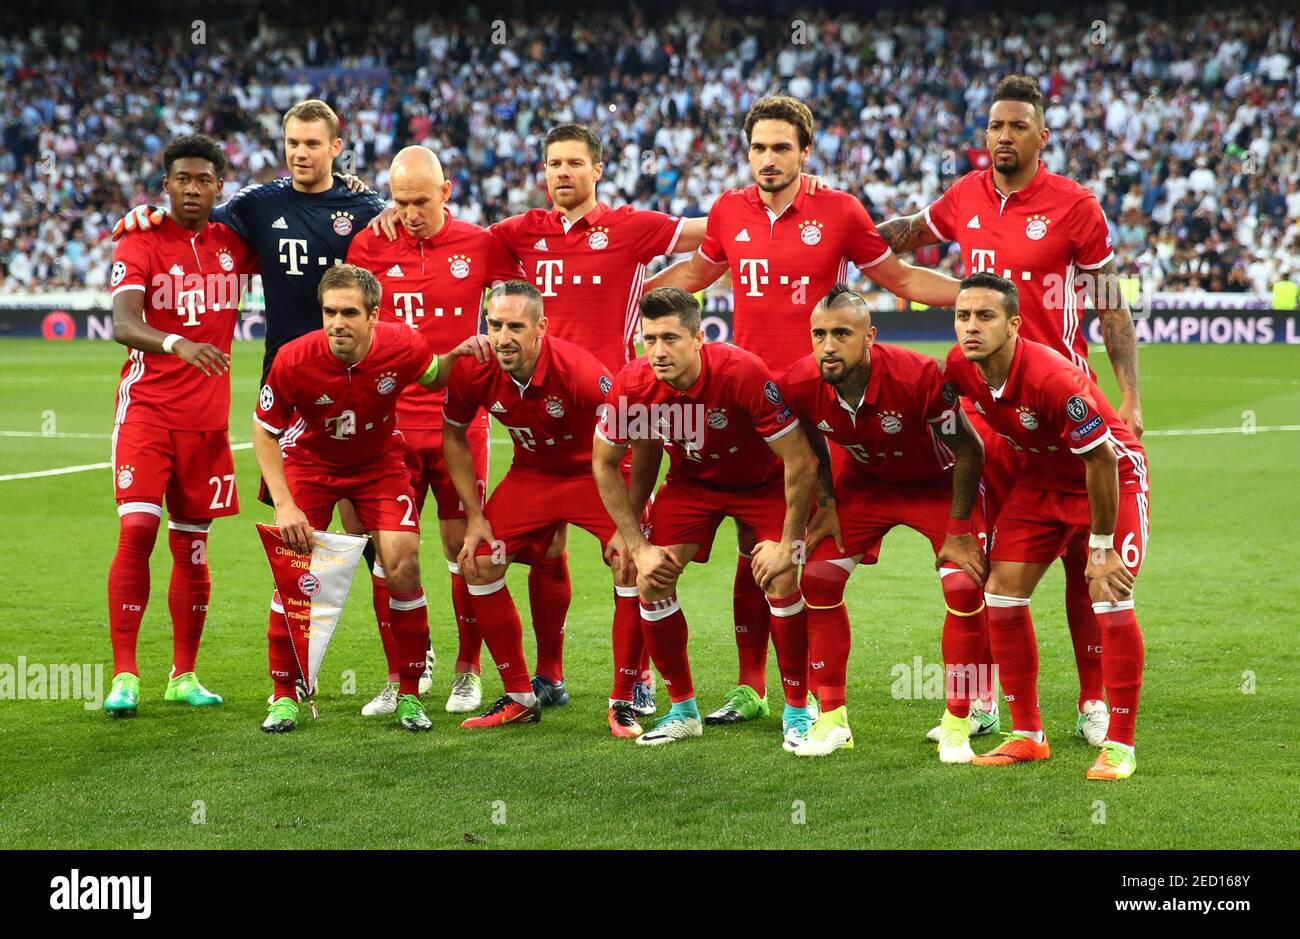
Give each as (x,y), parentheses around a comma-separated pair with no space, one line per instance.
(538,377)
(410,240)
(1035,184)
(594,215)
(755,198)
(1013,374)
(173,230)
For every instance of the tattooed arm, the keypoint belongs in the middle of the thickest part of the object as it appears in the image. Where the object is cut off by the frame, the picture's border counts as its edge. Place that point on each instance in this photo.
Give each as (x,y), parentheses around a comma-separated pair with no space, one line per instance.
(1121,341)
(907,233)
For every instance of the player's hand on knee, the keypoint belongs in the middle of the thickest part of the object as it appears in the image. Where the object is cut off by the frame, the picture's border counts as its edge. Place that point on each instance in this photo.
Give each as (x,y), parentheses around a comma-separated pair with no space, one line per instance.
(825,524)
(204,356)
(1108,579)
(385,223)
(141,218)
(964,551)
(770,560)
(477,532)
(658,566)
(294,528)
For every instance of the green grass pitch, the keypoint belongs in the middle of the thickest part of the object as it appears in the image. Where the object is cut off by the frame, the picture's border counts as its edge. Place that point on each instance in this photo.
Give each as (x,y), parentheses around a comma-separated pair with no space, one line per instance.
(1218,601)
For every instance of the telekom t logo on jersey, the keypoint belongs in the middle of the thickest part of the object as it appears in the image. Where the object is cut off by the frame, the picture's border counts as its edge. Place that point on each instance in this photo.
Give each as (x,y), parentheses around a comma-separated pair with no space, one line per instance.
(550,274)
(409,306)
(293,254)
(342,426)
(982,261)
(750,276)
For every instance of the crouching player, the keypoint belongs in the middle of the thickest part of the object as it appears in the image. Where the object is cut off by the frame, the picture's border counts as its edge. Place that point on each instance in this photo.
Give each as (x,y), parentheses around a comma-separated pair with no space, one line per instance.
(343,384)
(1085,478)
(718,412)
(546,392)
(914,460)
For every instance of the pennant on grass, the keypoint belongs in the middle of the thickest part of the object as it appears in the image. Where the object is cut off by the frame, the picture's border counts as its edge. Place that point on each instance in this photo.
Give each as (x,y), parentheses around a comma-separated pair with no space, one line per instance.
(311,590)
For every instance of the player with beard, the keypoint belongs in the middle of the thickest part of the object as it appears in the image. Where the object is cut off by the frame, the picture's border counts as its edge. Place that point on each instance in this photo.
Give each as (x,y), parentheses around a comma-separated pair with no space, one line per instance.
(785,247)
(1049,236)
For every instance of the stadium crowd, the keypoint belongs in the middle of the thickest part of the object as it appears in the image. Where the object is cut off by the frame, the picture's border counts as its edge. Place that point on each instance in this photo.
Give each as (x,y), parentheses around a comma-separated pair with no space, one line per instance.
(1187,127)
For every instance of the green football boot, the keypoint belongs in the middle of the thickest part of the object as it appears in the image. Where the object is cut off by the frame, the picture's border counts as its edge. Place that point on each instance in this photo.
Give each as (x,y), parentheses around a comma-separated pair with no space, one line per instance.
(742,704)
(123,696)
(282,716)
(186,688)
(830,732)
(411,715)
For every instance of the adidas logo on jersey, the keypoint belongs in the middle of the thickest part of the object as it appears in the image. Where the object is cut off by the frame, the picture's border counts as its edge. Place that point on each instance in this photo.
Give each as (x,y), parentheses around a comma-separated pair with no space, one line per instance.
(324,399)
(743,235)
(177,270)
(974,222)
(541,245)
(280,223)
(497,408)
(394,271)
(822,425)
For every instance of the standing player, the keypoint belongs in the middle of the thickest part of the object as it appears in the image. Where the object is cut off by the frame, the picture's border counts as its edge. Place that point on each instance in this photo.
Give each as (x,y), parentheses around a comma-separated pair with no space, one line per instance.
(433,276)
(176,295)
(341,386)
(914,460)
(1048,235)
(728,431)
(1085,476)
(300,225)
(546,393)
(785,247)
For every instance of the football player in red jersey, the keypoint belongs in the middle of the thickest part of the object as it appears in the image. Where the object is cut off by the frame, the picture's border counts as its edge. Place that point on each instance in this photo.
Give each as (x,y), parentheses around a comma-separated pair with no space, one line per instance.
(785,247)
(342,385)
(1049,236)
(546,392)
(1084,480)
(433,275)
(733,452)
(914,460)
(588,261)
(176,293)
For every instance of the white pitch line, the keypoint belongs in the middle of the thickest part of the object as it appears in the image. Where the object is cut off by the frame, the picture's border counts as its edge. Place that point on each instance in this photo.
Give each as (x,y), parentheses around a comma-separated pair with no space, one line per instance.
(58,436)
(1208,431)
(64,470)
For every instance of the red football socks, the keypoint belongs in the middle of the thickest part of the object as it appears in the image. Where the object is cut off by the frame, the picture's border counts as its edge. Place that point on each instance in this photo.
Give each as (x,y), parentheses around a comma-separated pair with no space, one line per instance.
(629,643)
(1015,649)
(467,634)
(189,591)
(829,638)
(498,623)
(789,625)
(1122,659)
(409,614)
(384,619)
(963,642)
(752,621)
(549,595)
(128,585)
(1085,630)
(665,631)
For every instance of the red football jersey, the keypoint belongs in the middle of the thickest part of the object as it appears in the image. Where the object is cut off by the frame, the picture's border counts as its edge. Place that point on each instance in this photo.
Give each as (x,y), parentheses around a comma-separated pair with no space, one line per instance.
(778,277)
(345,414)
(1051,412)
(717,431)
(1041,238)
(890,434)
(434,285)
(550,419)
(192,285)
(590,277)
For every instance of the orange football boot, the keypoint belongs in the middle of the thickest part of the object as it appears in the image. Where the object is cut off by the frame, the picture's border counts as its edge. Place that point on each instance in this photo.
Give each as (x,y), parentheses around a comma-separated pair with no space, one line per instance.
(623,722)
(1014,749)
(505,710)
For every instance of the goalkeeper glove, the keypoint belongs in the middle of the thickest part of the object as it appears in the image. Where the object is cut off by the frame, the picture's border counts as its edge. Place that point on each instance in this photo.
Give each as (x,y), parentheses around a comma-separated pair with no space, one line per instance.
(141,218)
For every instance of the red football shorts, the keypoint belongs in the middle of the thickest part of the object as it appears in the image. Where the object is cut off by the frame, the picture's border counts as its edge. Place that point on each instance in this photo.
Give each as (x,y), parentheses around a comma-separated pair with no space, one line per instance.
(1036,525)
(527,507)
(869,509)
(429,470)
(380,493)
(192,469)
(684,512)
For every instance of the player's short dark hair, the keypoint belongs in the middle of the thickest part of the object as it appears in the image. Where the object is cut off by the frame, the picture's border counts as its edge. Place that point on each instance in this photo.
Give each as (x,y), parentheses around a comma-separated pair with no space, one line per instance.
(842,295)
(313,109)
(579,132)
(519,288)
(195,145)
(782,108)
(343,276)
(991,281)
(672,301)
(1020,88)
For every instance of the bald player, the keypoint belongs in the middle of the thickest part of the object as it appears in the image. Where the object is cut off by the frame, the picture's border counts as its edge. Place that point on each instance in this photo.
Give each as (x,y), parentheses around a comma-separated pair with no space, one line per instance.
(434,274)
